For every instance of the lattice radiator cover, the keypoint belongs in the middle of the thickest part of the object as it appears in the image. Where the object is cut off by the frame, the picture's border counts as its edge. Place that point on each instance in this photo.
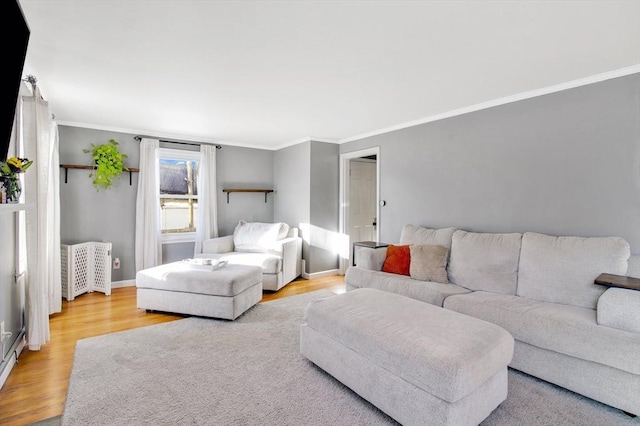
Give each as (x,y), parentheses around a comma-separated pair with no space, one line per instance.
(86,267)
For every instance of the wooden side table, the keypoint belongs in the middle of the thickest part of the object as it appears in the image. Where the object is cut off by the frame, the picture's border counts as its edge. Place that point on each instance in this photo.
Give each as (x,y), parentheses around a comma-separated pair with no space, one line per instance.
(367,244)
(621,281)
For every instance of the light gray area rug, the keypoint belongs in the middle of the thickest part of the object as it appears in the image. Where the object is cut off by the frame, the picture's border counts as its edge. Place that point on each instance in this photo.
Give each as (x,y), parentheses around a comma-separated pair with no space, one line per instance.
(250,371)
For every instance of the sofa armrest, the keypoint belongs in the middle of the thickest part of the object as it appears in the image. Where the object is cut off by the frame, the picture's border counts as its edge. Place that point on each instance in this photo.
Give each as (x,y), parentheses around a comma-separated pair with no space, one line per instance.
(633,269)
(370,258)
(218,245)
(620,308)
(291,251)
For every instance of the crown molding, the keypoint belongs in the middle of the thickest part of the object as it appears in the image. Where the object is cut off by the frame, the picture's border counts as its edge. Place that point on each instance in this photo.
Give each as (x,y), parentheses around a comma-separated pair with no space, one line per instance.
(161,135)
(303,140)
(621,72)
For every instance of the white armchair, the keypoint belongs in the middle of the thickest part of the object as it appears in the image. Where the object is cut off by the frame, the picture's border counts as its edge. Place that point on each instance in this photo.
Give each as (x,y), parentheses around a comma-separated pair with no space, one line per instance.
(275,247)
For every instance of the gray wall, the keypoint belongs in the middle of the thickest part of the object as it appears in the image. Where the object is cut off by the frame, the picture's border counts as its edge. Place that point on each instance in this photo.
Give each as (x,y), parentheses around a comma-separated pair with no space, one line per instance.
(566,163)
(245,168)
(89,215)
(325,177)
(106,215)
(306,181)
(292,174)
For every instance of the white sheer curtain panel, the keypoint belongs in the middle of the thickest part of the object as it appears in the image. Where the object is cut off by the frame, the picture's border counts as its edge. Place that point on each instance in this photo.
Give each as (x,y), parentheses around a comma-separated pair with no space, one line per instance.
(148,250)
(207,225)
(39,136)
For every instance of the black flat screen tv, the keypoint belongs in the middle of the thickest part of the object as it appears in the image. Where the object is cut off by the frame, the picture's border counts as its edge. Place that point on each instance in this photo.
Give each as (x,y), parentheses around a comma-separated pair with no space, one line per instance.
(15,51)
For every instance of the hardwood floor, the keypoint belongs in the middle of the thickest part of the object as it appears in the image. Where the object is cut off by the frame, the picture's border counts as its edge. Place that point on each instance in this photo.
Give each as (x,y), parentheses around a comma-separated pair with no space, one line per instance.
(37,386)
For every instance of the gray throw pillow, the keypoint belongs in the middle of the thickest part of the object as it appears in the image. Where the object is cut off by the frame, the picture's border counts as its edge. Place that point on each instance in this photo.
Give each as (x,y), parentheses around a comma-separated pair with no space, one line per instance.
(429,263)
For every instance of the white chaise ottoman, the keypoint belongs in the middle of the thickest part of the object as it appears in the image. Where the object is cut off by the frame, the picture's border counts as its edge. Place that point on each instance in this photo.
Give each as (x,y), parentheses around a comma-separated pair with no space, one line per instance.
(183,288)
(419,363)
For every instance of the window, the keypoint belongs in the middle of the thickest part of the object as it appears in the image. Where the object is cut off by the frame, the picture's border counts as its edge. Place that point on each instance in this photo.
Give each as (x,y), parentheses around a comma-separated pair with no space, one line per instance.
(178,174)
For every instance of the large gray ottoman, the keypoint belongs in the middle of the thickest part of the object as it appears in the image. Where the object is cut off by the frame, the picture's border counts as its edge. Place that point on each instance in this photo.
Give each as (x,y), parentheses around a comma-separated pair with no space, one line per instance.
(419,363)
(183,288)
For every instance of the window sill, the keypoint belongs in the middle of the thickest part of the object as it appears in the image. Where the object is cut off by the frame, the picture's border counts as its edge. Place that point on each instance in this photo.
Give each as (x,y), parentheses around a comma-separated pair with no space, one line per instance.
(189,237)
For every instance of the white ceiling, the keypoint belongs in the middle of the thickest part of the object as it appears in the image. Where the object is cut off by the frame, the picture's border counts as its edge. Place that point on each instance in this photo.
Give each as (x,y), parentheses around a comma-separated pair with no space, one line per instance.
(270,73)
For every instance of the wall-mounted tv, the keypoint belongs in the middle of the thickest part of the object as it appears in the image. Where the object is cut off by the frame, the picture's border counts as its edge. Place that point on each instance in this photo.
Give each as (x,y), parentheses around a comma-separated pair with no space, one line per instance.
(14,52)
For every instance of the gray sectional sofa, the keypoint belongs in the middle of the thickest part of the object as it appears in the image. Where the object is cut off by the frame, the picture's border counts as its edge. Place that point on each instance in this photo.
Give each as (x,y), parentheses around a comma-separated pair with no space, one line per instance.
(540,288)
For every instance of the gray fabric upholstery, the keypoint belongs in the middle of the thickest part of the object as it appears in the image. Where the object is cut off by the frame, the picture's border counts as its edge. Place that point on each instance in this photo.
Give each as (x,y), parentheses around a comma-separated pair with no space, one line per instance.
(562,269)
(280,260)
(370,258)
(412,234)
(597,381)
(204,305)
(269,263)
(620,308)
(218,245)
(429,263)
(633,268)
(446,354)
(186,289)
(424,291)
(569,330)
(401,400)
(272,282)
(569,343)
(181,276)
(484,261)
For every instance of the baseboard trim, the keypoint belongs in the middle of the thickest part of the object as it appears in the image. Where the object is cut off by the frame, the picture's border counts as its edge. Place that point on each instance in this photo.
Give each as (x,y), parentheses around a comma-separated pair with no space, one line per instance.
(13,358)
(123,283)
(320,274)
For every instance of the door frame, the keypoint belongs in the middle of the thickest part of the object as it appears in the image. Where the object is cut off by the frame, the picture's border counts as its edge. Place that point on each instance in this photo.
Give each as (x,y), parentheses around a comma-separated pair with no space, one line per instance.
(344,195)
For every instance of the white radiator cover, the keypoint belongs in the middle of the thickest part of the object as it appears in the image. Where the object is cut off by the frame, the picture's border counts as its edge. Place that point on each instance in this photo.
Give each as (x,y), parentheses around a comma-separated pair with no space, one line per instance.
(86,267)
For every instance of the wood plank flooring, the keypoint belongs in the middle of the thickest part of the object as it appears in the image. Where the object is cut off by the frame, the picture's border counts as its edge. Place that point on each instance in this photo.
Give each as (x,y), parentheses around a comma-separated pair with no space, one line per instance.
(36,389)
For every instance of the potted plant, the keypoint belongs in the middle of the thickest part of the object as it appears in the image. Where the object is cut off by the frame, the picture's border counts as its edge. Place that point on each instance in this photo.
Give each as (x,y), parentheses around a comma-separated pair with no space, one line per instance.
(9,182)
(108,164)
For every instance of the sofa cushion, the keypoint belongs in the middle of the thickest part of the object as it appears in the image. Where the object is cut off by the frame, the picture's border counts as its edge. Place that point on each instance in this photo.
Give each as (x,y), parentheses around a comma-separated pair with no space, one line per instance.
(569,330)
(185,277)
(398,260)
(425,291)
(484,261)
(283,231)
(256,236)
(412,234)
(562,269)
(269,263)
(428,263)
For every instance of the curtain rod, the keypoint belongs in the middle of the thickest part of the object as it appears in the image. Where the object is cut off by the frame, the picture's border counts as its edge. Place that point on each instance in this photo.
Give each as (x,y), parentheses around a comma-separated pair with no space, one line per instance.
(139,138)
(32,80)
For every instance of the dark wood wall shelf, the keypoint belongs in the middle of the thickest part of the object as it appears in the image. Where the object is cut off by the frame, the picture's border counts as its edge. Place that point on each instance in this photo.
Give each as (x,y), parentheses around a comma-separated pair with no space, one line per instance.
(265,191)
(66,168)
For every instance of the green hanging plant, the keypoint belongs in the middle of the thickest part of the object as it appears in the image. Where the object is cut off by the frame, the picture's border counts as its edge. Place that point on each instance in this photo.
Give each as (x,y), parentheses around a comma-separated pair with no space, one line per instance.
(108,164)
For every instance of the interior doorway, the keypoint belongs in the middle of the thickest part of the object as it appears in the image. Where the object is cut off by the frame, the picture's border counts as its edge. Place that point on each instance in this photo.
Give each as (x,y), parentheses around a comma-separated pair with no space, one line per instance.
(359,198)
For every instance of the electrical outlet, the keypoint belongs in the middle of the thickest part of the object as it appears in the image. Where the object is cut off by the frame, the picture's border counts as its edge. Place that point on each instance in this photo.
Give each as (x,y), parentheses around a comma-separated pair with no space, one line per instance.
(4,334)
(116,263)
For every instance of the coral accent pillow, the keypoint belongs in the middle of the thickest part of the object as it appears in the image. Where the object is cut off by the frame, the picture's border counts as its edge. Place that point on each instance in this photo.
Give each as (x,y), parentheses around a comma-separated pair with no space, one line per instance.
(398,260)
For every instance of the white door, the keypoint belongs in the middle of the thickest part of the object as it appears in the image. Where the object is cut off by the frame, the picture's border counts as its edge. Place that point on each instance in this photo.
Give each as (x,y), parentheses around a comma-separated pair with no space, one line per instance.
(362,221)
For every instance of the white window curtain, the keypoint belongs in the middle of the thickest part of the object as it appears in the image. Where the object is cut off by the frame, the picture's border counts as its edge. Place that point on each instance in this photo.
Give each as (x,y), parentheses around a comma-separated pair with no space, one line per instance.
(207,225)
(39,136)
(148,249)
